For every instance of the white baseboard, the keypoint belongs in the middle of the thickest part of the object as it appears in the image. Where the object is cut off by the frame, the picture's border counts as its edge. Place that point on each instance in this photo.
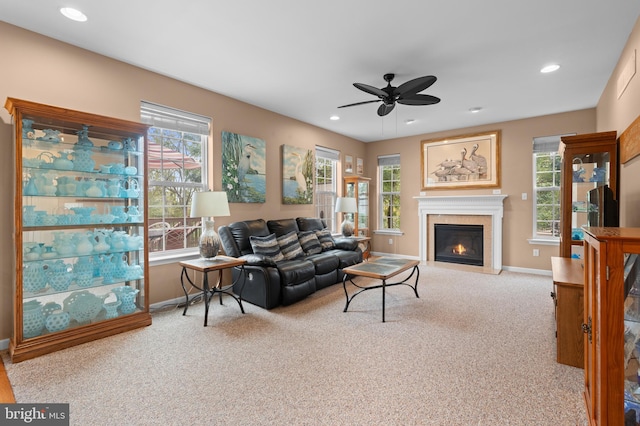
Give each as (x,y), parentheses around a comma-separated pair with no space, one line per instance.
(527,270)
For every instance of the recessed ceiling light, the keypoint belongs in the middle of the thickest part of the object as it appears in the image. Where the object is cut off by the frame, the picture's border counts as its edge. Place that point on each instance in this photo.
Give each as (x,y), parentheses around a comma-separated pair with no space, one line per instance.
(334,118)
(475,110)
(409,121)
(550,68)
(73,14)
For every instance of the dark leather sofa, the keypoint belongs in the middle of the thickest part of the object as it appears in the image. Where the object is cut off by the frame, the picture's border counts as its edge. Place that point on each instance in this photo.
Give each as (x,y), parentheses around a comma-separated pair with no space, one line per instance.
(269,284)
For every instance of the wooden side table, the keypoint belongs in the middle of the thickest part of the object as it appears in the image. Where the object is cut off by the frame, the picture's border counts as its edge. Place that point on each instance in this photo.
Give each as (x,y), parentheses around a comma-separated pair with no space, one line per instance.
(219,264)
(568,295)
(365,243)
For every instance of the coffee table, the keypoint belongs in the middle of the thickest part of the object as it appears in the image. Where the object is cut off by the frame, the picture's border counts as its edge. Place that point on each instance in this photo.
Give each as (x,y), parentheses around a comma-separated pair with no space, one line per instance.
(381,269)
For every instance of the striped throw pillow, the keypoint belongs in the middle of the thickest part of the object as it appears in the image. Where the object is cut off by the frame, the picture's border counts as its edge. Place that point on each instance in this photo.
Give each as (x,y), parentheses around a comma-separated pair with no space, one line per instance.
(326,240)
(290,246)
(266,246)
(309,242)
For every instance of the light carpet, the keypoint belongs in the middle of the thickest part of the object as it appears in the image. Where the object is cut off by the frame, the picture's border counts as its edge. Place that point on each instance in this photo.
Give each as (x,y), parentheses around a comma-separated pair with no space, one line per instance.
(474,349)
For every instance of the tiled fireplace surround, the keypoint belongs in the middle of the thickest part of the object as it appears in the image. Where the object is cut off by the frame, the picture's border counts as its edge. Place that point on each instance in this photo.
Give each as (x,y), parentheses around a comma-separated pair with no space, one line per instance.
(485,210)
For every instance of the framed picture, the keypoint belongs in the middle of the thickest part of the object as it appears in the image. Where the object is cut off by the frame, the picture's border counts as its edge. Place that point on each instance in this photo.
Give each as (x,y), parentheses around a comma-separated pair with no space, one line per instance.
(467,161)
(348,163)
(298,171)
(243,168)
(359,166)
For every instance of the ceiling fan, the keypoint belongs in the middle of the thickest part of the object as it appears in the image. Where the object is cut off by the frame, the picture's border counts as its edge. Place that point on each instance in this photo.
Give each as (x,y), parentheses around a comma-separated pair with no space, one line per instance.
(406,93)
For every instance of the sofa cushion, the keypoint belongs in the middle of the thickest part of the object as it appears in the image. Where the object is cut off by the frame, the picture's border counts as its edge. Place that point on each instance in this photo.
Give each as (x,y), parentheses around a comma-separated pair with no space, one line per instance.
(267,247)
(309,242)
(310,223)
(282,226)
(324,262)
(295,271)
(289,246)
(326,240)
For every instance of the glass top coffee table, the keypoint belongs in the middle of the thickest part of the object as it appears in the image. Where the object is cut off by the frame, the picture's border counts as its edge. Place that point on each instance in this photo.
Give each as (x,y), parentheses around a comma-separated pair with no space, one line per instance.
(382,269)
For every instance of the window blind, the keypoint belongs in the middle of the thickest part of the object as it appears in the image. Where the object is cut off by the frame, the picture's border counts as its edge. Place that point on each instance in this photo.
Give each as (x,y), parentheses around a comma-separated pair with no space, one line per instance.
(174,119)
(389,160)
(329,154)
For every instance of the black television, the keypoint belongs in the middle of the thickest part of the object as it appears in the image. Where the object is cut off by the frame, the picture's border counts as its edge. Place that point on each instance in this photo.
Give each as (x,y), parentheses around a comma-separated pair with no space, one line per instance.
(603,208)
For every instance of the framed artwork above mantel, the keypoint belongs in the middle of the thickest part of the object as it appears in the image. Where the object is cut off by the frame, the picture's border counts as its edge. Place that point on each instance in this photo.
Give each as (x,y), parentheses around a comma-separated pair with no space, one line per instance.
(461,162)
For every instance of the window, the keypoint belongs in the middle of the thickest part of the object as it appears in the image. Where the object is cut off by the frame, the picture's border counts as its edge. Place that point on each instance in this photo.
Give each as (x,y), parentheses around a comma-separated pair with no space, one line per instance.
(326,185)
(546,187)
(389,175)
(177,164)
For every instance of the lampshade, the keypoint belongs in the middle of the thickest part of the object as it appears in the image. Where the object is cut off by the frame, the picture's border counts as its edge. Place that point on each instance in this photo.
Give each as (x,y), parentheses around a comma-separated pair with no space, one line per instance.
(346,205)
(210,203)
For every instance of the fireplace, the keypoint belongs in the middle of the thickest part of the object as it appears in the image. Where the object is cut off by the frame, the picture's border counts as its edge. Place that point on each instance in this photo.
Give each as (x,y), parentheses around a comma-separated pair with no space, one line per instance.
(483,210)
(459,244)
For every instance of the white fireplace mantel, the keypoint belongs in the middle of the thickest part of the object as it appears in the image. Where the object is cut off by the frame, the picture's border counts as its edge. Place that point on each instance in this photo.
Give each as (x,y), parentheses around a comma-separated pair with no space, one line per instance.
(479,205)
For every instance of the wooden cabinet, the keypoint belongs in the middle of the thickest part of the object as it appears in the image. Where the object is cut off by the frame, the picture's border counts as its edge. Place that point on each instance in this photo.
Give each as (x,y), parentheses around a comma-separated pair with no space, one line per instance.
(612,325)
(588,161)
(80,228)
(358,188)
(568,283)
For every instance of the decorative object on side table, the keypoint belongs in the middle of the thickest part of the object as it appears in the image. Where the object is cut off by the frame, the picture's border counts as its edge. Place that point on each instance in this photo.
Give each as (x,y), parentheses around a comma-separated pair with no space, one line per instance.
(346,205)
(209,204)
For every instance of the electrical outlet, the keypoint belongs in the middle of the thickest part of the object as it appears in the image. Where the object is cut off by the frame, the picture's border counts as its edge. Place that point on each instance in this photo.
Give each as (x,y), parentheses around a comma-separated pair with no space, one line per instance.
(524,196)
(536,252)
(390,241)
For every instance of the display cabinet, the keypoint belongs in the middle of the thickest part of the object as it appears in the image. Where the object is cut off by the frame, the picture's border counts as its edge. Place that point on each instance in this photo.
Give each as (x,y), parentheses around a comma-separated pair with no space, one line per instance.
(589,162)
(81,269)
(358,188)
(612,325)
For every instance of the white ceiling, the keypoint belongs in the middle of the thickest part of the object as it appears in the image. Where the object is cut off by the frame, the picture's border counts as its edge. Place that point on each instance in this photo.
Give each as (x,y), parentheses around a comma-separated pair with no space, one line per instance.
(300,58)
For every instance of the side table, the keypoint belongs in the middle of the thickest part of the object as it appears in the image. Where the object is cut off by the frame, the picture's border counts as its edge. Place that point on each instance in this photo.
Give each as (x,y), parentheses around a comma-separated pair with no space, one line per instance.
(219,264)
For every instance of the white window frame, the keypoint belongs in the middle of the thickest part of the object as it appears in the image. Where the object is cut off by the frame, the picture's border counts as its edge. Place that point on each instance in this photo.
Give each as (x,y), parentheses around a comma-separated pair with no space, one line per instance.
(388,161)
(546,145)
(326,192)
(182,122)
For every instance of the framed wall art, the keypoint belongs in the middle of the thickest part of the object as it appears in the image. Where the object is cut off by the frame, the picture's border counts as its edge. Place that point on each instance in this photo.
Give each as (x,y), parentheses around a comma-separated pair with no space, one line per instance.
(348,164)
(298,170)
(244,168)
(466,161)
(359,166)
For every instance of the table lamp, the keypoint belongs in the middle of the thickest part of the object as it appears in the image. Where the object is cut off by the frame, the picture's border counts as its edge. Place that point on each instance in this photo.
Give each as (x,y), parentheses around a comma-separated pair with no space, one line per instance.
(207,204)
(346,205)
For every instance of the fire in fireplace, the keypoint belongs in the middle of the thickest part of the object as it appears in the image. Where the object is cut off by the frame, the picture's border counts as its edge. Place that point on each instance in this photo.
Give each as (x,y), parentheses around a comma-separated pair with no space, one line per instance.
(459,244)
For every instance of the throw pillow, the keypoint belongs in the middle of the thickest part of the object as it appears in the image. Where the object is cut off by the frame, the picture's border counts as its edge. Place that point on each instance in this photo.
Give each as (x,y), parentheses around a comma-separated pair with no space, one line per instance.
(267,247)
(326,240)
(289,245)
(309,242)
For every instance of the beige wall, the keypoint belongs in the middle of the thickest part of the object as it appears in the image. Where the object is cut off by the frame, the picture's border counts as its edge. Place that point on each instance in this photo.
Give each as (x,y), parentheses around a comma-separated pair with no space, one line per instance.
(516,178)
(43,70)
(615,113)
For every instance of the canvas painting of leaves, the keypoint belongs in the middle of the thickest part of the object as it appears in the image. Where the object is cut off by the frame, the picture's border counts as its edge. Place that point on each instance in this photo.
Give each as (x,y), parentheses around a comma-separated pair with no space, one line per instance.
(298,169)
(244,168)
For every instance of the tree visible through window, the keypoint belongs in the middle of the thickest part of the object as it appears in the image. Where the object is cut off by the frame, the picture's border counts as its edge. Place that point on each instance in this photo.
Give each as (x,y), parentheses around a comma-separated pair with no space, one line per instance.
(326,185)
(546,187)
(389,173)
(176,169)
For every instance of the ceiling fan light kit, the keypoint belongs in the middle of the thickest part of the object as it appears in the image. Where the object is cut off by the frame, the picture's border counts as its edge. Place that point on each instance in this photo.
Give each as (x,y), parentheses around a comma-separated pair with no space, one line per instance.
(406,94)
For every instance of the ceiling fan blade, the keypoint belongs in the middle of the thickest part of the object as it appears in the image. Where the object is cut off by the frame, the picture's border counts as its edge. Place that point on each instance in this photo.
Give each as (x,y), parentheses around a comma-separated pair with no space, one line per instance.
(385,109)
(359,103)
(419,100)
(414,86)
(371,90)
